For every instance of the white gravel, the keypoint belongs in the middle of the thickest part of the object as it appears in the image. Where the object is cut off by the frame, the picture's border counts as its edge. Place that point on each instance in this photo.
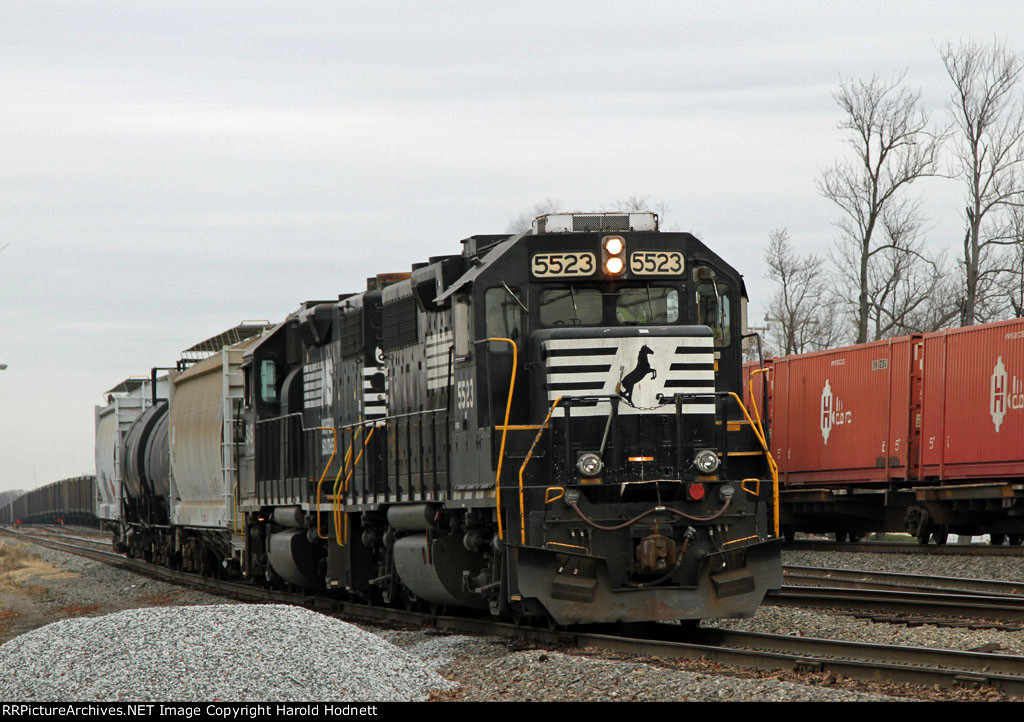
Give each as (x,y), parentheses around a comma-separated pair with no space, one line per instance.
(233,653)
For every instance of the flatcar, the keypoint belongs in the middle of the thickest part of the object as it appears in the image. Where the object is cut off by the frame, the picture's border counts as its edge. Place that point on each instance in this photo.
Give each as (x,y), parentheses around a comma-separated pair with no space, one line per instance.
(921,434)
(544,426)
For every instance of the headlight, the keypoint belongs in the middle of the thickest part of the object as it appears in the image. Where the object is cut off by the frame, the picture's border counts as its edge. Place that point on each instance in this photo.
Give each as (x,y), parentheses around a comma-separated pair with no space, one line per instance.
(614,265)
(706,461)
(589,464)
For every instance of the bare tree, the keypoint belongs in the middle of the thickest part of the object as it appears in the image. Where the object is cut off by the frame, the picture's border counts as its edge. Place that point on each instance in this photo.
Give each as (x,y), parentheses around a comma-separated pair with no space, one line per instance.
(524,221)
(989,159)
(893,147)
(1010,280)
(802,312)
(637,202)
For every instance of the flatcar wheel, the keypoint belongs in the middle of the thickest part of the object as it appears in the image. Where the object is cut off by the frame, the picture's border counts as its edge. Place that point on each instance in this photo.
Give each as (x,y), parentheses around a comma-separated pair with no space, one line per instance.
(997,540)
(940,534)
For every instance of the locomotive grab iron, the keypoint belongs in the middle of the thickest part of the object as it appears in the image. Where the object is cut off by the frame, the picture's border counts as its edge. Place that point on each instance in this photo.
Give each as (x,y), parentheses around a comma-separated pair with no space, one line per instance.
(543,426)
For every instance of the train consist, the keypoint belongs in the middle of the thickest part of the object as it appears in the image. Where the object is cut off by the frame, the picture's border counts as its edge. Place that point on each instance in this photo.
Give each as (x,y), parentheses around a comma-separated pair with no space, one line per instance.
(68,501)
(920,433)
(545,426)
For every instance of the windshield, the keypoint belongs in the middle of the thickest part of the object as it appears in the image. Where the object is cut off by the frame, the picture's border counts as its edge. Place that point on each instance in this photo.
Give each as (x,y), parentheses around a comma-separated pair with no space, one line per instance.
(570,306)
(587,306)
(647,305)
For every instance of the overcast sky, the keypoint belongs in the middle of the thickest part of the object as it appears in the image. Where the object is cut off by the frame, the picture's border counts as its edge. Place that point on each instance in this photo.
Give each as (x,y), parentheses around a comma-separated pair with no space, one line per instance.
(168,170)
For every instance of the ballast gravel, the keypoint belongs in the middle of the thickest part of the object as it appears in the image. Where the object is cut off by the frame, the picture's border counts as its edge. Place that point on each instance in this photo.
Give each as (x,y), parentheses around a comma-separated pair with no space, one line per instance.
(231,653)
(488,670)
(858,628)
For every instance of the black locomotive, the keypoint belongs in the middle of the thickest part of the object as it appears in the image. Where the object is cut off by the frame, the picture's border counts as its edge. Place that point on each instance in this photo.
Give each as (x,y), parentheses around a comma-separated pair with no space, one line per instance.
(543,426)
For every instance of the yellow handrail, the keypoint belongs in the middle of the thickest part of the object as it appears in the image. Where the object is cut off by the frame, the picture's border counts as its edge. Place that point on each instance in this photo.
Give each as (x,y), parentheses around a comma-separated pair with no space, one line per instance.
(341,468)
(753,399)
(504,431)
(337,497)
(334,451)
(529,455)
(772,466)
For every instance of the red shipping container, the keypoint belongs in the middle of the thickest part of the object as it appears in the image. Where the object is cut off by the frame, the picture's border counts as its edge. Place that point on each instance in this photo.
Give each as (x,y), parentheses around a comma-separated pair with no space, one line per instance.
(843,416)
(973,402)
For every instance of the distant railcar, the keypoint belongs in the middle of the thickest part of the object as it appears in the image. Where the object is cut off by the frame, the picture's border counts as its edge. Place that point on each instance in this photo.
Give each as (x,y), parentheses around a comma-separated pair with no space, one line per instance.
(69,501)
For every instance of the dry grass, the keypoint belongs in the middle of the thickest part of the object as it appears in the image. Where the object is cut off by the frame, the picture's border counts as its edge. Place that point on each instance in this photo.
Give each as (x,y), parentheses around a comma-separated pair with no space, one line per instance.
(160,598)
(13,557)
(78,610)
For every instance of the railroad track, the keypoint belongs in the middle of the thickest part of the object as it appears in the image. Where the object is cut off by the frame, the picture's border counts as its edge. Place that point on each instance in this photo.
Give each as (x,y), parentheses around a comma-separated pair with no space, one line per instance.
(870,547)
(870,662)
(863,579)
(905,598)
(95,540)
(939,605)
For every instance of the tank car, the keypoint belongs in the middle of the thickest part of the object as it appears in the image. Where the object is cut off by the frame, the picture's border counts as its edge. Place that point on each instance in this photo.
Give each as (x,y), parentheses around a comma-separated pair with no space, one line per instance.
(125,403)
(134,453)
(544,426)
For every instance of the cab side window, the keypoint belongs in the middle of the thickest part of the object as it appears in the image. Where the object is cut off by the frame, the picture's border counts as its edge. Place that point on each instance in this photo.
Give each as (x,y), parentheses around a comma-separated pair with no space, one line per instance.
(504,318)
(268,381)
(714,310)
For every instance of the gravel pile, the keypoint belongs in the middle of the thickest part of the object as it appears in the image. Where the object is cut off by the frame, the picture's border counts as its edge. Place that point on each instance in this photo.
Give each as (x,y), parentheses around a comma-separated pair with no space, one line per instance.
(215,653)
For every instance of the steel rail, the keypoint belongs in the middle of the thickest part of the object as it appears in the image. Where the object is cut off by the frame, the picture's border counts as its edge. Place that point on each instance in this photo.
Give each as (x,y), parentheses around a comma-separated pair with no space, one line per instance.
(870,547)
(963,606)
(869,579)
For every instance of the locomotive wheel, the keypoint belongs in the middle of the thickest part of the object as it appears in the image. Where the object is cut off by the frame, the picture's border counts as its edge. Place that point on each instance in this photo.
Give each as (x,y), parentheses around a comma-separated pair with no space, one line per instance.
(1016,539)
(997,540)
(518,618)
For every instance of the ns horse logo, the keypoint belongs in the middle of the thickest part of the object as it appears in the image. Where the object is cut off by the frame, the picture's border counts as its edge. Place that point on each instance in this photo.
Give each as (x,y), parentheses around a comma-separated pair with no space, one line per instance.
(643,367)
